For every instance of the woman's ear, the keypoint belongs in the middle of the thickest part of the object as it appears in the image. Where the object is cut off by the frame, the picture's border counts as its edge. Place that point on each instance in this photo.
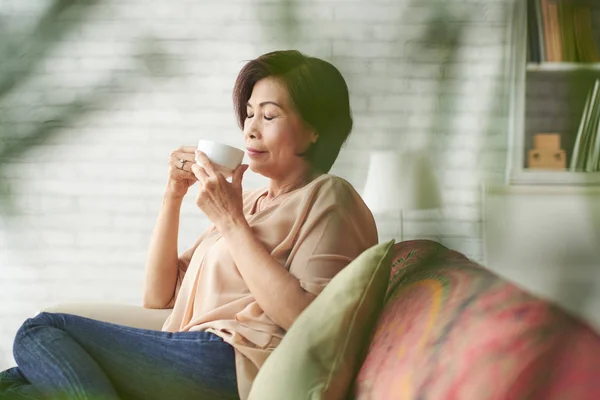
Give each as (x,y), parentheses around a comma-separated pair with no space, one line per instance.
(314,137)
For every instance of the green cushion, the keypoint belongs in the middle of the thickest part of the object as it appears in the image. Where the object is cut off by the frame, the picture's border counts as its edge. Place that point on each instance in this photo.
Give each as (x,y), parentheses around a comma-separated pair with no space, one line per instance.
(323,350)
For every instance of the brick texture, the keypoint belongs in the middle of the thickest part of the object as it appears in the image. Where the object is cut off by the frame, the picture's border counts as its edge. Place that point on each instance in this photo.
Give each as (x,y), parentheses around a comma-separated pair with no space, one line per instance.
(109,88)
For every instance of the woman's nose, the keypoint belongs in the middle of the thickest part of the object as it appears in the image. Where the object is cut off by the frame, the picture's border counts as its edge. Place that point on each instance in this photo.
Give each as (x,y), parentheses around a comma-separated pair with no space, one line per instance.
(251,128)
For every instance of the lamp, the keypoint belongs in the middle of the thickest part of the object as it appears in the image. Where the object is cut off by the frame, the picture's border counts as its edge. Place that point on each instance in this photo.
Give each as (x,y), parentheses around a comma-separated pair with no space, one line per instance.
(400,181)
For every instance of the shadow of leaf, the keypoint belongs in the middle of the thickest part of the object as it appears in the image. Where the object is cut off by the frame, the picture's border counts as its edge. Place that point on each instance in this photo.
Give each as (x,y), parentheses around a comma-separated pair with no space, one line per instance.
(151,61)
(22,53)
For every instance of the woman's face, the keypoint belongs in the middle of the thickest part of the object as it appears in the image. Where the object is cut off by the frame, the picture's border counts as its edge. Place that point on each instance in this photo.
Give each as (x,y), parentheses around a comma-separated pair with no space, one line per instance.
(275,131)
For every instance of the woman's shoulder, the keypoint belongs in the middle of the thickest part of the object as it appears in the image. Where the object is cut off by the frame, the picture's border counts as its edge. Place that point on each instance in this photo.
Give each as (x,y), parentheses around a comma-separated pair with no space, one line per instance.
(334,184)
(334,195)
(334,190)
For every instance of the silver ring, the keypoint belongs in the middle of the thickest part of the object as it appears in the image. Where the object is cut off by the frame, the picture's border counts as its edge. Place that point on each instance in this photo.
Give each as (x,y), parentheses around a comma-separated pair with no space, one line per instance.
(181,163)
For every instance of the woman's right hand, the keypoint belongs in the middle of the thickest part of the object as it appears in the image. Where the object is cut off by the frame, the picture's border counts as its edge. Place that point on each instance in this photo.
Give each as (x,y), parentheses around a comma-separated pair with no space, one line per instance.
(180,179)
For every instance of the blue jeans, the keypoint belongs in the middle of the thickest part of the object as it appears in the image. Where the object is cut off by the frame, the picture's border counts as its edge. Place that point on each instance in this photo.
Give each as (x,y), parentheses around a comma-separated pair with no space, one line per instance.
(63,356)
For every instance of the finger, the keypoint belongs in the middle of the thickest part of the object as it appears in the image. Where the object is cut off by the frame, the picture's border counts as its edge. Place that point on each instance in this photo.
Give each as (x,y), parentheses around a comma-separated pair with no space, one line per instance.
(186,166)
(178,173)
(177,156)
(185,153)
(205,163)
(186,149)
(199,172)
(238,175)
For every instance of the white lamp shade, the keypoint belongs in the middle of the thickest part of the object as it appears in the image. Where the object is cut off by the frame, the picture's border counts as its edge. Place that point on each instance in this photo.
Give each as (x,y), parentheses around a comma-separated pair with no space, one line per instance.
(400,181)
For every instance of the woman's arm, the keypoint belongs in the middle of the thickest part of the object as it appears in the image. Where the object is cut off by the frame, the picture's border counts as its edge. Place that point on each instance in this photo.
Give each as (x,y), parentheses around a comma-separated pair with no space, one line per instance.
(326,244)
(320,254)
(162,262)
(277,291)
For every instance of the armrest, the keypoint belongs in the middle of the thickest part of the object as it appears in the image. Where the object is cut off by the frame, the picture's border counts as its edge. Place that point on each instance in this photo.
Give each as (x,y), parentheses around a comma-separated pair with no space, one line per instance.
(122,314)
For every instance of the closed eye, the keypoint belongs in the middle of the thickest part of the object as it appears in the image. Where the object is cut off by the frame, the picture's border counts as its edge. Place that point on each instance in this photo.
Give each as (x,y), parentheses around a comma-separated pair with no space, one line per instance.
(248,116)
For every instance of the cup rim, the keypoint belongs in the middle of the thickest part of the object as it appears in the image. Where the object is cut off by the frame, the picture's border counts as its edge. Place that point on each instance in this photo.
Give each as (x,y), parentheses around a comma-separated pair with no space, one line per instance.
(219,144)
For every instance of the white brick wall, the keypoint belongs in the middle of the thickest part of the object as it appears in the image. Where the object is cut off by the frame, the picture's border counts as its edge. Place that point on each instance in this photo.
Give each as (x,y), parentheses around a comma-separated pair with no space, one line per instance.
(148,76)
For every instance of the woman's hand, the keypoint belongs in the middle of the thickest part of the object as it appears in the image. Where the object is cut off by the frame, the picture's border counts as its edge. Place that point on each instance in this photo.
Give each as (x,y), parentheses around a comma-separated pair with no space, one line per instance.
(181,176)
(220,200)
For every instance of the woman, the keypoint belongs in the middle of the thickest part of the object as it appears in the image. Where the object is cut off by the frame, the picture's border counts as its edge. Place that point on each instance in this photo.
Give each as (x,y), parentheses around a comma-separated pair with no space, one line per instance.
(239,288)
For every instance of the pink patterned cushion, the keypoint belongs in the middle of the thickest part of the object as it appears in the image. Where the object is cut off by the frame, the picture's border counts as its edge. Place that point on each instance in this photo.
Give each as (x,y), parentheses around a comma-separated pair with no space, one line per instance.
(451,329)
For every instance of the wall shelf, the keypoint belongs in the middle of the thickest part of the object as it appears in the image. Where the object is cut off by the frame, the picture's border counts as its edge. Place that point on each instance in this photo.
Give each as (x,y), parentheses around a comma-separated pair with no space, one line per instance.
(562,67)
(542,177)
(546,97)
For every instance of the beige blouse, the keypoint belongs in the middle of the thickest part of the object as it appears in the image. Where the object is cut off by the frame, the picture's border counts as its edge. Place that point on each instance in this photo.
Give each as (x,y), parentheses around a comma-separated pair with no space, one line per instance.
(313,232)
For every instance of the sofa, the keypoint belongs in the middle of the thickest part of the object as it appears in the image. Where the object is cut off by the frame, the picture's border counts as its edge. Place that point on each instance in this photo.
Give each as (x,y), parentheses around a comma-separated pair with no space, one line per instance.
(450,329)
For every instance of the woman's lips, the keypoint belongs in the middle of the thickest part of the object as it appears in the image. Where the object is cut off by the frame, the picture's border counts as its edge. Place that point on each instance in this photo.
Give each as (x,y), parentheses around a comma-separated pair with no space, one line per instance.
(254,153)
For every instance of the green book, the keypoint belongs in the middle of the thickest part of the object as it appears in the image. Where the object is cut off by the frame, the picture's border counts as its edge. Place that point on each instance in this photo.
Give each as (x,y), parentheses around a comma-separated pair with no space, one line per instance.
(593,132)
(580,149)
(567,30)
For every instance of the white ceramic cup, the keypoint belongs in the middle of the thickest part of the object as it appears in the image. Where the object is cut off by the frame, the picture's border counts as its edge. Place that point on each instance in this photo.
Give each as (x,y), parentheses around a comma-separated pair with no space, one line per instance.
(227,158)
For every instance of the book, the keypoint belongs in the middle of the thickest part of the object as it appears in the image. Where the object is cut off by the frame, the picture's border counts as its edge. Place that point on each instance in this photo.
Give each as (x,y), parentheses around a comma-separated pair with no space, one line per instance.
(561,31)
(584,35)
(548,44)
(586,125)
(594,162)
(567,28)
(539,19)
(554,30)
(532,32)
(589,139)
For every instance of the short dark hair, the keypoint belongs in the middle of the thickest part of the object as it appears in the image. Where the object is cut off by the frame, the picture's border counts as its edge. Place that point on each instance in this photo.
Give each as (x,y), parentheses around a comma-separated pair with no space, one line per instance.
(318,93)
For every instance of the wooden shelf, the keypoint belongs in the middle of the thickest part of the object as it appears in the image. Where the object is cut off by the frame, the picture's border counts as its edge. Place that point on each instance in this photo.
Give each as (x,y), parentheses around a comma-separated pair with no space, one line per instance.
(577,190)
(546,177)
(536,87)
(562,67)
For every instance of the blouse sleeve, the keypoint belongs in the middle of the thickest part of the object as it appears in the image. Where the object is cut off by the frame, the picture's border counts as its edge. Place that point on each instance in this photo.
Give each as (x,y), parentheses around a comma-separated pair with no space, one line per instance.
(184,262)
(186,256)
(335,233)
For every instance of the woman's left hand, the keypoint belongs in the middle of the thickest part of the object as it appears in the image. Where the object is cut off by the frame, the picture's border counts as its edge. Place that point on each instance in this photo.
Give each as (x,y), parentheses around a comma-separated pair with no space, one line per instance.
(220,200)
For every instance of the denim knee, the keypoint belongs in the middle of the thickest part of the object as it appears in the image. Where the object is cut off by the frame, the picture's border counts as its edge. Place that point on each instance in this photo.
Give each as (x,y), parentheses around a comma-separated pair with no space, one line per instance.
(28,330)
